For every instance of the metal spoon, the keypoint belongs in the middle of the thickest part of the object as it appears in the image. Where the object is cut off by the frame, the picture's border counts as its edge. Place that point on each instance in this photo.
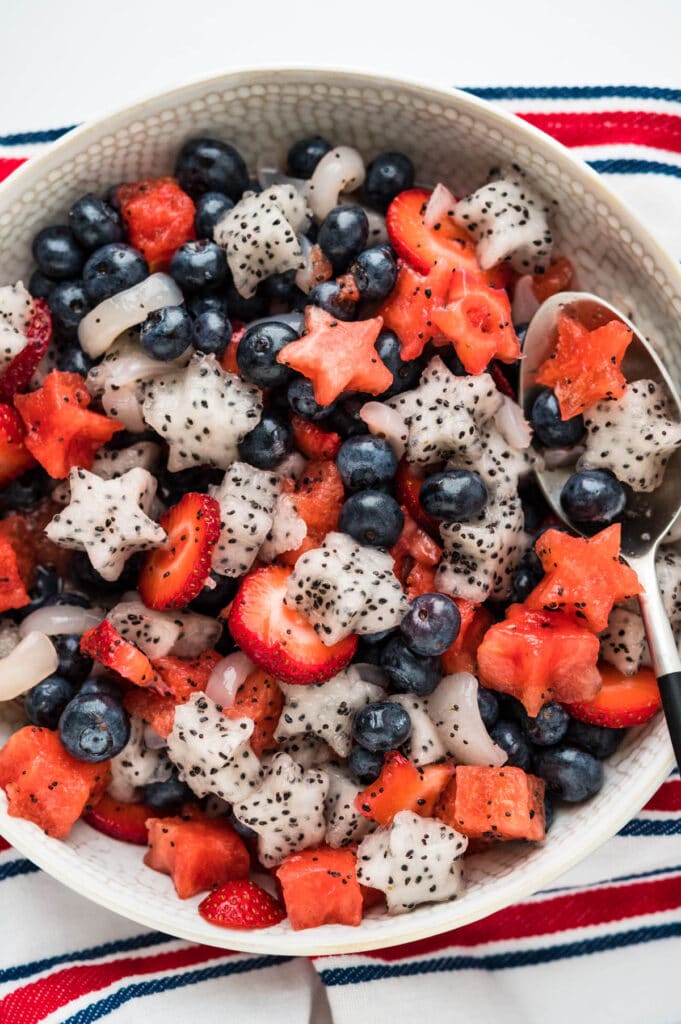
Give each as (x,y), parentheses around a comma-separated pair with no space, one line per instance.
(648,516)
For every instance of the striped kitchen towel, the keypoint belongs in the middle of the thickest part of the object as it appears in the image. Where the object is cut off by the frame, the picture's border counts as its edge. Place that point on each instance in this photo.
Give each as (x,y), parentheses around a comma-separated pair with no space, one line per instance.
(598,946)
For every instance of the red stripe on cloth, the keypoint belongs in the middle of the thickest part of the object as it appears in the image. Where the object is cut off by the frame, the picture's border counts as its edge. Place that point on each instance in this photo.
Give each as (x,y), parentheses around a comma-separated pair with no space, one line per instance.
(32,1003)
(4,845)
(599,128)
(9,164)
(667,798)
(558,914)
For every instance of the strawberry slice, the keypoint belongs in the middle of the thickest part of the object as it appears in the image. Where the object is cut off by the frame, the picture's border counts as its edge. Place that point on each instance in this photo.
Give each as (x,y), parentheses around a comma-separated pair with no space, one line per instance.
(622,700)
(402,786)
(15,458)
(408,482)
(126,822)
(12,590)
(278,638)
(241,904)
(174,574)
(19,372)
(105,644)
(462,656)
(61,430)
(421,246)
(314,442)
(159,217)
(477,320)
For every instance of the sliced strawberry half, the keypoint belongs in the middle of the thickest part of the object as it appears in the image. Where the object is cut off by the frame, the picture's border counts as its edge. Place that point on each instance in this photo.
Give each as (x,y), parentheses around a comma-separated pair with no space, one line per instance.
(408,482)
(126,822)
(105,644)
(314,442)
(421,246)
(174,574)
(278,638)
(19,372)
(15,458)
(621,701)
(241,904)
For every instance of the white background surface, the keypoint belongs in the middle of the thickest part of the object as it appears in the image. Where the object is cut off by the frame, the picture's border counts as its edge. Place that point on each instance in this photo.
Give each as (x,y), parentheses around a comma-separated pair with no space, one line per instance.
(62,61)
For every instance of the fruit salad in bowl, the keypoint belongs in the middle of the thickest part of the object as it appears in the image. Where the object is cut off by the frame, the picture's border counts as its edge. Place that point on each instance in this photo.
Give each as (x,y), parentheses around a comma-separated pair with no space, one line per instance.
(282,607)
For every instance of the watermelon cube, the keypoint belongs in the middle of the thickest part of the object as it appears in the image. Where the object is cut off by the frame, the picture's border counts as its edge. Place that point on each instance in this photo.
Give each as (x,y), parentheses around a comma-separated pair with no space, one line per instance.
(320,887)
(197,853)
(494,803)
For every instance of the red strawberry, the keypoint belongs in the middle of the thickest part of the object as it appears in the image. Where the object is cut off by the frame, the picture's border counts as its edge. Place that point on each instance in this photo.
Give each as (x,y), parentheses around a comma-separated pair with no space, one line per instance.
(14,456)
(173,575)
(120,821)
(12,590)
(408,483)
(501,380)
(105,644)
(420,246)
(241,904)
(278,638)
(314,442)
(39,332)
(622,700)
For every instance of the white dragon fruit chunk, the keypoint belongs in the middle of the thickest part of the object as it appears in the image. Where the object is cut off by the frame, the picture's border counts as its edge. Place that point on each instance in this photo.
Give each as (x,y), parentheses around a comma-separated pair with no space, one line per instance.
(383,421)
(108,519)
(326,710)
(623,642)
(213,753)
(203,413)
(511,423)
(98,330)
(16,310)
(344,587)
(340,170)
(185,634)
(424,745)
(668,568)
(508,222)
(287,812)
(288,529)
(344,823)
(634,437)
(126,363)
(453,708)
(480,557)
(259,236)
(247,498)
(500,465)
(308,751)
(112,463)
(416,860)
(137,765)
(445,412)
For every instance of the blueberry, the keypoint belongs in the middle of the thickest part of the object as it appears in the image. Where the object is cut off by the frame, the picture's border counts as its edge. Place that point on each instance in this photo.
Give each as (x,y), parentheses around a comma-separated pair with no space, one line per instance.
(345,418)
(409,672)
(529,573)
(246,833)
(210,209)
(45,587)
(549,812)
(511,709)
(224,644)
(40,286)
(211,602)
(209,165)
(331,297)
(257,353)
(73,664)
(511,738)
(197,265)
(166,333)
(57,253)
(593,496)
(451,360)
(305,154)
(372,518)
(211,332)
(172,486)
(168,796)
(111,269)
(406,374)
(245,309)
(342,235)
(381,727)
(213,301)
(369,650)
(281,288)
(85,577)
(570,773)
(68,598)
(549,727)
(27,491)
(431,625)
(68,304)
(387,175)
(103,686)
(534,504)
(595,739)
(365,765)
(268,443)
(488,706)
(72,359)
(94,727)
(366,461)
(455,495)
(301,400)
(44,704)
(375,273)
(94,222)
(549,428)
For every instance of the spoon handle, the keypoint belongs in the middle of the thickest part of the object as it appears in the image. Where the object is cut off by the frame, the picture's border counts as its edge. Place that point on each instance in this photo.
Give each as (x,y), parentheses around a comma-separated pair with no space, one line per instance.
(663,650)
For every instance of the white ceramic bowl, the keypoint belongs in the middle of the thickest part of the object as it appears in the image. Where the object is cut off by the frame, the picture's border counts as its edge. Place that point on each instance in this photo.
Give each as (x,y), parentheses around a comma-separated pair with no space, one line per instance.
(453,137)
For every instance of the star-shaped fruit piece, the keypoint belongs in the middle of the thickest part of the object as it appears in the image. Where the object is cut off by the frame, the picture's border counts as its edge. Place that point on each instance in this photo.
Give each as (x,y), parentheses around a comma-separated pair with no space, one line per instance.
(585,366)
(61,432)
(477,320)
(108,519)
(584,576)
(408,309)
(338,356)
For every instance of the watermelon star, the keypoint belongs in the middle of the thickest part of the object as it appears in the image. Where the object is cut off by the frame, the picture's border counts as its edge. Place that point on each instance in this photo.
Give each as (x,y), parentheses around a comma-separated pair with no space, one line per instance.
(584,576)
(477,320)
(408,309)
(338,356)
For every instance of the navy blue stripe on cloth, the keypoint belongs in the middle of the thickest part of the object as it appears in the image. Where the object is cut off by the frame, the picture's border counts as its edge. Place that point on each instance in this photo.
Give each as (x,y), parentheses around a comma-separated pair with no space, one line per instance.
(574,92)
(625,166)
(32,138)
(500,961)
(103,1007)
(652,827)
(91,953)
(12,868)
